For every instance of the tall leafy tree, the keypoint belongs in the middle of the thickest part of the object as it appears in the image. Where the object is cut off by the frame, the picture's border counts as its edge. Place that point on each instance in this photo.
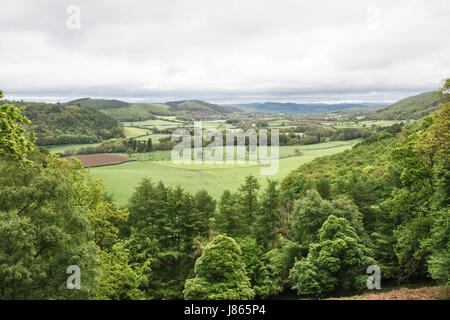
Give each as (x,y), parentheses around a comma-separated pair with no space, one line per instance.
(336,263)
(311,212)
(43,231)
(219,273)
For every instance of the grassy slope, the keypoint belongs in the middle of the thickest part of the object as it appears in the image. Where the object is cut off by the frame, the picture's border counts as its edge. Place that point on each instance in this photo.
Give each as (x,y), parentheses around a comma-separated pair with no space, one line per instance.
(122,179)
(131,132)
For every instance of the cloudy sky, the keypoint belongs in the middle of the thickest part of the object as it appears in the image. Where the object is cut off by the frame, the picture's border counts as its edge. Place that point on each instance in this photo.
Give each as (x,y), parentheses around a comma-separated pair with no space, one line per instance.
(224,51)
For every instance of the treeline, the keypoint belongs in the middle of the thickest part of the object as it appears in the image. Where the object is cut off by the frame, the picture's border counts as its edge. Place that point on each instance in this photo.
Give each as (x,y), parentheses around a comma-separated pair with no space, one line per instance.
(312,134)
(122,146)
(55,124)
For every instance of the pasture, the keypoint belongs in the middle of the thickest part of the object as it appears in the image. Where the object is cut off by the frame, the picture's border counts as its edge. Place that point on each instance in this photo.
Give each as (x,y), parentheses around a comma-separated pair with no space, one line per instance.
(121,179)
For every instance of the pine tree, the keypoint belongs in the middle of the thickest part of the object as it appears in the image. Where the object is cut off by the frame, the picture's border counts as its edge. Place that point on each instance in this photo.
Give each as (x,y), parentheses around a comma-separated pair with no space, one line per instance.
(267,223)
(248,202)
(228,219)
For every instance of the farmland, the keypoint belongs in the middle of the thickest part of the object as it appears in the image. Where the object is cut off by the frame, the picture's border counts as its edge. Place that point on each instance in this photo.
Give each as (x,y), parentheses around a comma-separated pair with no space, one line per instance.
(214,178)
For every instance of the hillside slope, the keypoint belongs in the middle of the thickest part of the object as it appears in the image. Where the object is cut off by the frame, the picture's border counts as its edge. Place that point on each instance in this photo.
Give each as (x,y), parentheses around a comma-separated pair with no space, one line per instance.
(370,158)
(55,124)
(414,107)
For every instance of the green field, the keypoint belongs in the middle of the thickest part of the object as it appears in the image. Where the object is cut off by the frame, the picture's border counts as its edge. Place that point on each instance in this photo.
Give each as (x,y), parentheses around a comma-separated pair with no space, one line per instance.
(155,137)
(132,132)
(121,179)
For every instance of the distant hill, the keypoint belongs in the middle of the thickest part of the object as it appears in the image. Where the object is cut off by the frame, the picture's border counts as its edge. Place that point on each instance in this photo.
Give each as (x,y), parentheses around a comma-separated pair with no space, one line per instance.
(69,124)
(99,104)
(414,107)
(125,111)
(304,108)
(201,107)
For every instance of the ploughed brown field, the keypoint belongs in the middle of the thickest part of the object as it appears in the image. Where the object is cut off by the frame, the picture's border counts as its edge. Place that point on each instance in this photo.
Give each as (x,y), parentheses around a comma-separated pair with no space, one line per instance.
(100,159)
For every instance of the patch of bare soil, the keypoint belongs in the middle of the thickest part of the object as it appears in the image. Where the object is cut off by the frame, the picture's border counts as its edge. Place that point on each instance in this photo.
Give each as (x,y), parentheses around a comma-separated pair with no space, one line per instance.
(424,293)
(100,159)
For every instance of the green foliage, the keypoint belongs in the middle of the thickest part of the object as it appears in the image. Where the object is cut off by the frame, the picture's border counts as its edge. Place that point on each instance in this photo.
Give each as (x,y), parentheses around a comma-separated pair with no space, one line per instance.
(323,187)
(262,279)
(336,263)
(118,280)
(280,260)
(14,143)
(219,273)
(439,260)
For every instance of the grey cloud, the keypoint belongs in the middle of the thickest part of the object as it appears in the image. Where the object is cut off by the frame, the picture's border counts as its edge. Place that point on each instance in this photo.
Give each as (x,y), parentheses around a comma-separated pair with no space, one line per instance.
(224,50)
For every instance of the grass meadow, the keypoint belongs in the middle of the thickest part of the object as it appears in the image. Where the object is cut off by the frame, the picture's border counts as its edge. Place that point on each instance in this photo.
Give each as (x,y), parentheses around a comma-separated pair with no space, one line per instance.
(121,179)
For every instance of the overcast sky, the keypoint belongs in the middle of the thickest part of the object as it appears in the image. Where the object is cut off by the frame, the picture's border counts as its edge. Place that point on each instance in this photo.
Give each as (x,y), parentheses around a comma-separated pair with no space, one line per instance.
(223,51)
